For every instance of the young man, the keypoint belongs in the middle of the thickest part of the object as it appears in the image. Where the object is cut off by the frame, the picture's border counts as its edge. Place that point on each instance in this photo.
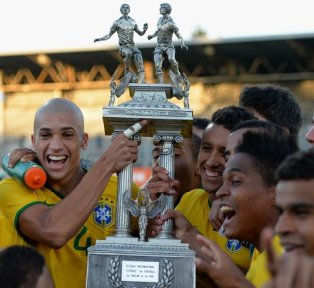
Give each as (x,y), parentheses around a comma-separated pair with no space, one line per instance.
(295,203)
(234,138)
(23,267)
(75,207)
(247,199)
(196,204)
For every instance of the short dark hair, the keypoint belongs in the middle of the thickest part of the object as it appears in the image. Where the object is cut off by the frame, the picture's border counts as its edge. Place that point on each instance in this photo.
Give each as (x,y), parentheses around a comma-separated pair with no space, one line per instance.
(20,265)
(298,166)
(230,116)
(196,142)
(275,103)
(200,123)
(268,150)
(260,125)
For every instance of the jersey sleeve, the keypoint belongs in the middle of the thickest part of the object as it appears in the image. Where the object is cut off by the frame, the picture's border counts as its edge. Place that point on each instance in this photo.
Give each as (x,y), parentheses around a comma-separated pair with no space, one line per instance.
(16,198)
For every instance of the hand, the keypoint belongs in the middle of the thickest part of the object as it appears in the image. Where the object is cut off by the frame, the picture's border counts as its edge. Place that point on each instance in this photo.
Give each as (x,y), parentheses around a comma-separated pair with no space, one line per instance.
(120,153)
(182,227)
(218,265)
(23,154)
(183,46)
(96,40)
(149,37)
(145,27)
(215,215)
(160,182)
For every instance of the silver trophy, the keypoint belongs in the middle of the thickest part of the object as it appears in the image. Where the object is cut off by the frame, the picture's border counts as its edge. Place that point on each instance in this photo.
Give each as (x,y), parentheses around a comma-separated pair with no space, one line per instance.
(123,260)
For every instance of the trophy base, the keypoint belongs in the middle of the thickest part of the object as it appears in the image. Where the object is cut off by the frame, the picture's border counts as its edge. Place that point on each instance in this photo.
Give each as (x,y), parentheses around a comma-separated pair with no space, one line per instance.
(129,263)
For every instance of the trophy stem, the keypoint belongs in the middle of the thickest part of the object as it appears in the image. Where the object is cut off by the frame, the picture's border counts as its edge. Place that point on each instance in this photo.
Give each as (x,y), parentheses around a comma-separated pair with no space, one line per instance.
(167,158)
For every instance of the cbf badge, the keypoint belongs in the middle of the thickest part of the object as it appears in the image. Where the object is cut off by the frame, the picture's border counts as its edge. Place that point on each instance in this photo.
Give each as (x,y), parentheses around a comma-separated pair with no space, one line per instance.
(103,214)
(233,246)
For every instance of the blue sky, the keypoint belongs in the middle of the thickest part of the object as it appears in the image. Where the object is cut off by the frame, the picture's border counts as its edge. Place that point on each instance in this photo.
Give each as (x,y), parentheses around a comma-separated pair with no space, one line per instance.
(36,25)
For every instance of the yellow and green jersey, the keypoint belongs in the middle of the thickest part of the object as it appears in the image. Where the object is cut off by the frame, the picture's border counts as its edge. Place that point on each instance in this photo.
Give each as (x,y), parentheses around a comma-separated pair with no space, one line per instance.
(67,265)
(194,206)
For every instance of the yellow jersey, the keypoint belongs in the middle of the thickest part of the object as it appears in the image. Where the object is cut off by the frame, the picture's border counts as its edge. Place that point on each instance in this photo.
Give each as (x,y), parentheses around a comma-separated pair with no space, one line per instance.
(194,206)
(67,265)
(258,273)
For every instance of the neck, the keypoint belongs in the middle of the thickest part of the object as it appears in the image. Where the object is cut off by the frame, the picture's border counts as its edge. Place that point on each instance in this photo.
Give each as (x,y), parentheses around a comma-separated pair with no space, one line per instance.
(66,186)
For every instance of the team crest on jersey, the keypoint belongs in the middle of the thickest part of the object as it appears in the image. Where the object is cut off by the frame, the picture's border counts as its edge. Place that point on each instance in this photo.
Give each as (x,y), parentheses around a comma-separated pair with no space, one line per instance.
(103,214)
(233,246)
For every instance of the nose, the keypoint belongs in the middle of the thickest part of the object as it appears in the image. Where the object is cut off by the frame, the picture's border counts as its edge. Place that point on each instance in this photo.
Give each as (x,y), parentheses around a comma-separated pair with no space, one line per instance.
(222,191)
(309,136)
(285,225)
(56,143)
(216,159)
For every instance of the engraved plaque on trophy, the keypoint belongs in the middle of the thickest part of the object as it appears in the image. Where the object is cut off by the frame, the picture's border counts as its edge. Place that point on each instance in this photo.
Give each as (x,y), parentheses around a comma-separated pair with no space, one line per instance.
(121,260)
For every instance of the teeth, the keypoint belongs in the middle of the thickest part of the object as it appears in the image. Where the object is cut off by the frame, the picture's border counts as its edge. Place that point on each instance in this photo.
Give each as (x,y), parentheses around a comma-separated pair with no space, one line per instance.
(225,209)
(211,173)
(56,158)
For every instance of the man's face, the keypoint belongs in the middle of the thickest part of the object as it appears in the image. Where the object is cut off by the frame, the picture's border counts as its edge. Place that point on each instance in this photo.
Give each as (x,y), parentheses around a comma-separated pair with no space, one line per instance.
(244,198)
(58,141)
(309,136)
(295,202)
(211,158)
(186,170)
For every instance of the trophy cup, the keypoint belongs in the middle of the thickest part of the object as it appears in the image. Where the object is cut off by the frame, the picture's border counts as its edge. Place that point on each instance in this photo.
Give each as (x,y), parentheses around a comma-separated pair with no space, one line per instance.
(121,260)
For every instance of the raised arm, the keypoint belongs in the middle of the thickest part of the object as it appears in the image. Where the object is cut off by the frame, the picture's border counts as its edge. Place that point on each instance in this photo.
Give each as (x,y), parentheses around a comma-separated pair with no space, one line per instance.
(139,32)
(55,225)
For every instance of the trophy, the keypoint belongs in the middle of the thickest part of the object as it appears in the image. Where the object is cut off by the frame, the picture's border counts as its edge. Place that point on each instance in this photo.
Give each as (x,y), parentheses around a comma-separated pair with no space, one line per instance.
(122,260)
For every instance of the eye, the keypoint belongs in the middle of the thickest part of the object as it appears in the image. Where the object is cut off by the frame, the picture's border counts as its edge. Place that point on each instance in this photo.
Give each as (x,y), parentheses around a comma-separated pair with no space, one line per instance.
(44,135)
(67,135)
(235,181)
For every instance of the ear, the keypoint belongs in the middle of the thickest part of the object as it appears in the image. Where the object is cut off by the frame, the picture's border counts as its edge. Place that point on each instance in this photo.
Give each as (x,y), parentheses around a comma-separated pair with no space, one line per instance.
(197,171)
(84,141)
(33,142)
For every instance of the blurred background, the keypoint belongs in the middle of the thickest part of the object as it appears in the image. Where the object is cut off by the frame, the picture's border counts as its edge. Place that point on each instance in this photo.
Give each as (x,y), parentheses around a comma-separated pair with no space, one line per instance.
(47,50)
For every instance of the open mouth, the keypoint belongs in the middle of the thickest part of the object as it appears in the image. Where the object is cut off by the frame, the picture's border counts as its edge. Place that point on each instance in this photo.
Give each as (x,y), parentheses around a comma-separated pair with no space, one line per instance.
(52,159)
(227,211)
(292,247)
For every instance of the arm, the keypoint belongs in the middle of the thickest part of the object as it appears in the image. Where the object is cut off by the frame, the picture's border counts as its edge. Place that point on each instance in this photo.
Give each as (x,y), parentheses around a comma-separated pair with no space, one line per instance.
(55,225)
(183,46)
(149,37)
(113,29)
(139,32)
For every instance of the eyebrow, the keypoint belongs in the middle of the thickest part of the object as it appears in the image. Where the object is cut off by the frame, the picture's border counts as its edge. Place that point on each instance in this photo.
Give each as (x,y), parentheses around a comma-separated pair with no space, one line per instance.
(296,206)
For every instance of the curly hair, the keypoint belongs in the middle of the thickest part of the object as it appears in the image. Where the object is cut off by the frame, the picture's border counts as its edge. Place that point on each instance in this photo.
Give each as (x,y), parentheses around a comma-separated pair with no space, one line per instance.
(230,116)
(275,103)
(298,166)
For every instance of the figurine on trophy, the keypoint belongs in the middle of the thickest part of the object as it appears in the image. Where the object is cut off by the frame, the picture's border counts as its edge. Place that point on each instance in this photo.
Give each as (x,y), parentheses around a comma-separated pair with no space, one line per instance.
(165,47)
(125,27)
(144,208)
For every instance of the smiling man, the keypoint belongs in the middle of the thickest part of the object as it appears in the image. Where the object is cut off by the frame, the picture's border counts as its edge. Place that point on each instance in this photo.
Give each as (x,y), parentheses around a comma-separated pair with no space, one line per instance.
(247,199)
(75,207)
(295,203)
